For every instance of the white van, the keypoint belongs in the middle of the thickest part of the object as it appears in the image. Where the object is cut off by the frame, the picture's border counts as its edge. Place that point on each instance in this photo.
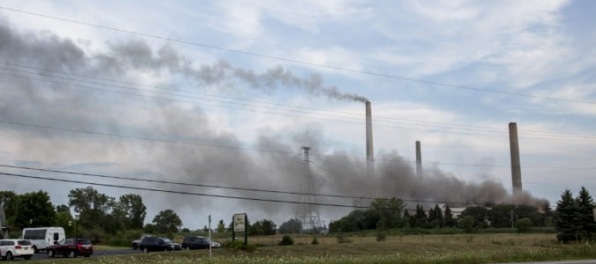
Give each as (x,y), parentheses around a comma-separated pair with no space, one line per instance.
(42,237)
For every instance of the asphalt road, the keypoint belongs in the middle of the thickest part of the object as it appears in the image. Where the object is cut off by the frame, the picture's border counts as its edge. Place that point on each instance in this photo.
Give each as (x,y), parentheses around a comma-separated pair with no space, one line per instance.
(96,253)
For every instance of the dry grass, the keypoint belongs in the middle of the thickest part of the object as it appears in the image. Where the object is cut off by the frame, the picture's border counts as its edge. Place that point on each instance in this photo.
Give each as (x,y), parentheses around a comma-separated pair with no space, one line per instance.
(460,248)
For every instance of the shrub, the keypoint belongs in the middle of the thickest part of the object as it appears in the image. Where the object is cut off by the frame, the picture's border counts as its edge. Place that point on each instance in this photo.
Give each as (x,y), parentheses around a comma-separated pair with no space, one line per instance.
(467,224)
(380,236)
(238,245)
(523,225)
(341,239)
(286,241)
(315,241)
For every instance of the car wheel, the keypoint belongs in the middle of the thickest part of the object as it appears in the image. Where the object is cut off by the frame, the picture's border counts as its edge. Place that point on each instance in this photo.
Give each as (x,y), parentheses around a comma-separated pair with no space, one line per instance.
(145,250)
(50,253)
(9,256)
(35,249)
(72,254)
(134,246)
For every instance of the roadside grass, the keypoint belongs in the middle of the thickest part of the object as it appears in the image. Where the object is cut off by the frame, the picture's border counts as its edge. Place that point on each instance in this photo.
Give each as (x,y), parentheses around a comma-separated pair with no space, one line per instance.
(460,248)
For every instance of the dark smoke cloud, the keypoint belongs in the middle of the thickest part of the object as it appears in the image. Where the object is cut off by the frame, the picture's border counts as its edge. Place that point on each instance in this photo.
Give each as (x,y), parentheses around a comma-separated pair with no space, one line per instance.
(68,106)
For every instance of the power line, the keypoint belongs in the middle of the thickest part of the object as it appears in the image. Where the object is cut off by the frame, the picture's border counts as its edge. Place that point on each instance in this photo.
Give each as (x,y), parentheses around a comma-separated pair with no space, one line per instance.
(203,144)
(286,114)
(343,114)
(270,57)
(177,192)
(146,138)
(208,186)
(179,183)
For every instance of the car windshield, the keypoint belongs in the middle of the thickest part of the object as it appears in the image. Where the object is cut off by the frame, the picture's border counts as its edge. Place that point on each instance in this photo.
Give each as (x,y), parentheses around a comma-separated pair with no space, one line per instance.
(167,240)
(84,241)
(24,242)
(66,242)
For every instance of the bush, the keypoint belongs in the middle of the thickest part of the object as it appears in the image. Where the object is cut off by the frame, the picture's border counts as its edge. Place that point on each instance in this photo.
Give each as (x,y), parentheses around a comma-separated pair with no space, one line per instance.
(380,236)
(315,241)
(467,224)
(341,239)
(286,241)
(523,225)
(238,245)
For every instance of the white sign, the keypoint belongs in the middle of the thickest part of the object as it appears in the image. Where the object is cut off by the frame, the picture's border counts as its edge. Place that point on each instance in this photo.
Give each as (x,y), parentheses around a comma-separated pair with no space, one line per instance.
(239,224)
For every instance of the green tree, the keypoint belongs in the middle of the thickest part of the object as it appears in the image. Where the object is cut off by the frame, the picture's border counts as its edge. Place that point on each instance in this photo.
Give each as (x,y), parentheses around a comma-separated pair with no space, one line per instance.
(9,201)
(133,210)
(523,225)
(62,208)
(435,217)
(548,214)
(479,213)
(64,219)
(35,209)
(221,227)
(567,218)
(420,216)
(387,211)
(167,222)
(291,226)
(501,216)
(262,227)
(467,223)
(585,206)
(448,219)
(91,206)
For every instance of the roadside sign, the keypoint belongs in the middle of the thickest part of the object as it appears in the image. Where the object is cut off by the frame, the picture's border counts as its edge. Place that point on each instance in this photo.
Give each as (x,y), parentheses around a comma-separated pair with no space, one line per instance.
(239,222)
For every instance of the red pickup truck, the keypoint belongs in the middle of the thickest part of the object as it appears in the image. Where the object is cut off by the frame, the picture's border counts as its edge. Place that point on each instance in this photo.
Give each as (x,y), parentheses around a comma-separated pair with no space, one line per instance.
(68,248)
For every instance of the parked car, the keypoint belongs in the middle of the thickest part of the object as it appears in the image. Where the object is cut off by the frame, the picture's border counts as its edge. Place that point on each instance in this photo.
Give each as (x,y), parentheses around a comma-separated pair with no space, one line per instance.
(194,242)
(198,242)
(16,248)
(135,243)
(68,248)
(153,243)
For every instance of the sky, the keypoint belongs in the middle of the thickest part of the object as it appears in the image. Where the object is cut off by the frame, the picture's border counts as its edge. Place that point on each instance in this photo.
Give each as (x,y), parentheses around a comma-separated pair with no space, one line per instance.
(221,96)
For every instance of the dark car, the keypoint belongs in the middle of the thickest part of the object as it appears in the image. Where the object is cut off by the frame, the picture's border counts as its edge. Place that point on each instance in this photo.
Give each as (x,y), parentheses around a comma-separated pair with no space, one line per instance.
(152,243)
(135,243)
(68,248)
(195,242)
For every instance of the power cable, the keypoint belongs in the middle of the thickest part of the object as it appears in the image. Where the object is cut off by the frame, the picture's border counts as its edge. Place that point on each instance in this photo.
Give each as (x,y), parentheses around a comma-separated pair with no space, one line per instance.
(179,192)
(270,57)
(344,114)
(227,187)
(197,143)
(244,109)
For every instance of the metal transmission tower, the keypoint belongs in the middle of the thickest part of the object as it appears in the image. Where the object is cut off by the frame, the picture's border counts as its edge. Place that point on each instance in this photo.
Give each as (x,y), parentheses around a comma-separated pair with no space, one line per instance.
(307,211)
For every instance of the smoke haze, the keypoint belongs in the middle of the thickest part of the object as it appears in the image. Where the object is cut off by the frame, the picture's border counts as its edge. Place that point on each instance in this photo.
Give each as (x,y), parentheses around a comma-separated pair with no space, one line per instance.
(35,96)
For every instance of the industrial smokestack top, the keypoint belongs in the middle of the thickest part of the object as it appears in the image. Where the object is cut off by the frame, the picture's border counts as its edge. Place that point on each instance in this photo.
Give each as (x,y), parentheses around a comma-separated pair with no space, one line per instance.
(515,160)
(369,136)
(418,159)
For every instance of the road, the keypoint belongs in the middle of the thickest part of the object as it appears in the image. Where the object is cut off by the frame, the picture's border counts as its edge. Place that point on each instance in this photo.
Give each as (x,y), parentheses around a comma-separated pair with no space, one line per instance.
(96,253)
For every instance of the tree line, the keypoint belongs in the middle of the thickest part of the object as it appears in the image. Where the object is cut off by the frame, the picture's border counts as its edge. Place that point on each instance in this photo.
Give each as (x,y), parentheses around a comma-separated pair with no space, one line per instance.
(98,214)
(95,213)
(393,213)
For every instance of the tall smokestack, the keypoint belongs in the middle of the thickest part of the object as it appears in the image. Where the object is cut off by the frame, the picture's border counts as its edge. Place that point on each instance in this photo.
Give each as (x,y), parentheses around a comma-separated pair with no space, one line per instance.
(515,163)
(418,159)
(369,139)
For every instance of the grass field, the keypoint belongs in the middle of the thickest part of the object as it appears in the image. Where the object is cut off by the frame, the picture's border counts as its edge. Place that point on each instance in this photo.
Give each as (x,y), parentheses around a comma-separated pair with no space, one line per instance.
(477,248)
